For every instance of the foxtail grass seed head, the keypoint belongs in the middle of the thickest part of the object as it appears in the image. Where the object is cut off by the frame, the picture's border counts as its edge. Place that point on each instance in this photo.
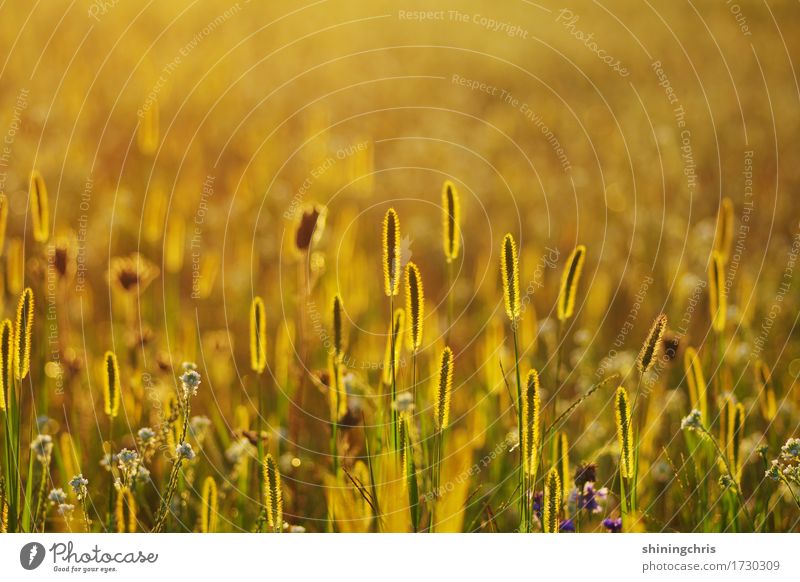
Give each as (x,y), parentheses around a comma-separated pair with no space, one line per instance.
(22,334)
(111,385)
(444,389)
(562,443)
(208,517)
(396,334)
(391,253)
(530,415)
(125,512)
(6,361)
(552,502)
(569,283)
(338,345)
(451,216)
(695,380)
(258,336)
(622,413)
(148,130)
(40,207)
(766,391)
(723,237)
(509,269)
(415,306)
(3,220)
(273,496)
(649,352)
(716,292)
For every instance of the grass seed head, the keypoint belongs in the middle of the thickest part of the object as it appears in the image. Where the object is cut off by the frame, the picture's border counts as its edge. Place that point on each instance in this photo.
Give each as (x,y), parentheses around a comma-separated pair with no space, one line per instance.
(22,334)
(622,412)
(569,283)
(273,496)
(111,385)
(716,292)
(258,336)
(391,253)
(509,269)
(415,306)
(531,403)
(552,502)
(40,207)
(6,361)
(337,325)
(451,218)
(649,352)
(723,237)
(208,517)
(444,390)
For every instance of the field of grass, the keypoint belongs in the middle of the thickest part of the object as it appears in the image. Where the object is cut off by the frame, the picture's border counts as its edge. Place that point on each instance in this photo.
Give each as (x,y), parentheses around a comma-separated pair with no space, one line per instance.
(331,266)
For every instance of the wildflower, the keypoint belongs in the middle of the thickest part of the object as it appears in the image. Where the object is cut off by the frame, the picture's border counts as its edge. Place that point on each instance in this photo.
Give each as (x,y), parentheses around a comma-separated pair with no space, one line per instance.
(132,274)
(79,487)
(190,380)
(240,449)
(566,526)
(146,435)
(404,402)
(693,421)
(613,525)
(184,451)
(725,481)
(774,472)
(42,447)
(57,496)
(66,509)
(791,450)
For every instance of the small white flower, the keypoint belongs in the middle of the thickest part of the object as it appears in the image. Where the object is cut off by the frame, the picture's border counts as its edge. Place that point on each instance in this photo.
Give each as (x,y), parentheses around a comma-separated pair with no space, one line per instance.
(57,496)
(42,447)
(184,451)
(79,486)
(693,421)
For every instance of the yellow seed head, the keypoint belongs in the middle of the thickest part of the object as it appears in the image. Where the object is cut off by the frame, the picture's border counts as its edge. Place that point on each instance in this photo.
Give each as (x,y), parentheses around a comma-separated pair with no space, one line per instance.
(569,283)
(6,361)
(125,512)
(509,269)
(148,130)
(624,433)
(451,219)
(22,334)
(723,237)
(258,336)
(175,243)
(716,292)
(337,326)
(531,403)
(396,333)
(40,207)
(562,442)
(696,381)
(15,266)
(391,253)
(649,352)
(552,502)
(111,384)
(3,220)
(415,306)
(444,389)
(766,391)
(273,497)
(208,519)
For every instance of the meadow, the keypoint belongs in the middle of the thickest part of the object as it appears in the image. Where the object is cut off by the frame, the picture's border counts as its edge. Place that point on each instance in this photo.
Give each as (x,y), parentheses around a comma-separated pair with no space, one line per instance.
(341,267)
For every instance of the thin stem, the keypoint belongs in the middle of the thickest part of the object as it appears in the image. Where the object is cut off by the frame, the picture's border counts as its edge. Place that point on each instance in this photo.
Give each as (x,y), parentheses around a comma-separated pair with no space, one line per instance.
(110,514)
(393,340)
(520,469)
(733,478)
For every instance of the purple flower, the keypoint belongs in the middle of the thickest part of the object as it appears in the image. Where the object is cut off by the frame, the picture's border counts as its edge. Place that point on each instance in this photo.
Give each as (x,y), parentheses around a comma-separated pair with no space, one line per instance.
(566,525)
(613,525)
(537,503)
